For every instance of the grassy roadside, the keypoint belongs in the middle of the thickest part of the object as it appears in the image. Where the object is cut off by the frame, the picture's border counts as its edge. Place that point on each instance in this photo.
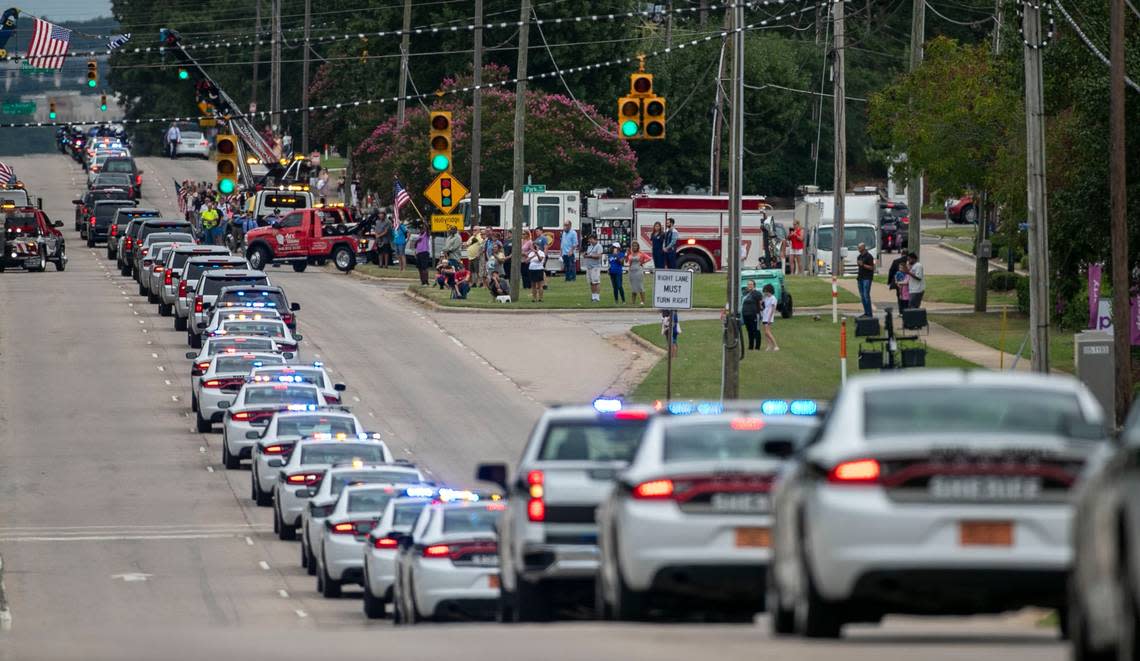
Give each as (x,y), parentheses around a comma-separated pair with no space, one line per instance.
(959,290)
(986,329)
(807,364)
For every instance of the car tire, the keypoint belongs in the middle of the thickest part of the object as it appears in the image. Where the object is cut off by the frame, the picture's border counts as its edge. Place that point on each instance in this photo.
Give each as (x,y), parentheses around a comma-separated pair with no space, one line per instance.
(300,267)
(310,559)
(193,402)
(230,461)
(602,609)
(1128,638)
(165,309)
(304,554)
(61,263)
(142,292)
(788,308)
(815,617)
(969,214)
(397,603)
(259,258)
(344,259)
(694,263)
(1079,635)
(261,498)
(42,265)
(531,602)
(630,605)
(90,240)
(151,297)
(195,341)
(374,607)
(326,585)
(781,621)
(110,255)
(124,271)
(204,426)
(285,532)
(179,323)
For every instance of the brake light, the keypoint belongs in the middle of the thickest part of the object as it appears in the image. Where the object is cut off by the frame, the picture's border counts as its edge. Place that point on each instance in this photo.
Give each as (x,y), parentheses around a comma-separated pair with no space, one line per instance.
(653,489)
(307,479)
(212,383)
(352,527)
(169,278)
(859,471)
(631,415)
(343,529)
(92,221)
(288,319)
(203,366)
(128,243)
(198,304)
(385,543)
(114,230)
(747,424)
(159,269)
(274,449)
(181,288)
(437,551)
(242,415)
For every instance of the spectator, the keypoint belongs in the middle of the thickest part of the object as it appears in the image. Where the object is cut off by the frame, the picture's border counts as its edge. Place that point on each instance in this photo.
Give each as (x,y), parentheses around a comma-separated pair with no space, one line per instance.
(451,246)
(208,221)
(536,265)
(528,243)
(902,285)
(750,305)
(636,261)
(592,260)
(891,283)
(671,238)
(461,283)
(491,246)
(617,262)
(768,316)
(796,239)
(423,255)
(475,254)
(569,251)
(399,241)
(445,274)
(865,276)
(410,245)
(917,280)
(383,240)
(657,238)
(671,329)
(499,288)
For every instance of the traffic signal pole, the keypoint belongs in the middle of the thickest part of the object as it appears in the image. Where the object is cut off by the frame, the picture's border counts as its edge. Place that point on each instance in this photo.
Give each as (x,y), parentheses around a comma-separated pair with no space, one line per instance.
(730,388)
(405,44)
(519,155)
(477,116)
(1121,318)
(305,82)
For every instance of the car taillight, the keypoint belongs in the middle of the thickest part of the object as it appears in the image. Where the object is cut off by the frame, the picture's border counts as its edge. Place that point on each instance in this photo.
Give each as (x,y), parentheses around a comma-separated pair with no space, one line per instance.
(92,221)
(858,471)
(352,527)
(159,269)
(437,551)
(273,449)
(329,399)
(461,550)
(653,489)
(536,507)
(168,279)
(385,543)
(242,415)
(308,479)
(128,242)
(114,230)
(287,347)
(212,383)
(182,289)
(203,366)
(197,304)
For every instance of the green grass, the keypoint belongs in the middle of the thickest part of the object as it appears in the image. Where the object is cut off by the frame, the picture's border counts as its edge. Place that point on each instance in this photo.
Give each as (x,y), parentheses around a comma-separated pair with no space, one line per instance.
(952,232)
(333,163)
(708,292)
(959,290)
(965,245)
(807,364)
(986,329)
(409,273)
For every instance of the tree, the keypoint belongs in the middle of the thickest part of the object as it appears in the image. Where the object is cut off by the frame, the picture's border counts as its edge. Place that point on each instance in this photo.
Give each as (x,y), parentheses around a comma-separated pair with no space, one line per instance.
(564,147)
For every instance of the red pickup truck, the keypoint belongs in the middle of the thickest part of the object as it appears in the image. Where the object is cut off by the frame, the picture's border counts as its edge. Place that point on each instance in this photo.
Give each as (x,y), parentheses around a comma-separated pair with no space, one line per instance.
(303,237)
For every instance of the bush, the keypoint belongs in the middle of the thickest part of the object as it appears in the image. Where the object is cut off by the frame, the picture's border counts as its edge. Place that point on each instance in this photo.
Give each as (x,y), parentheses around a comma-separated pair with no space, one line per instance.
(1004,281)
(1023,295)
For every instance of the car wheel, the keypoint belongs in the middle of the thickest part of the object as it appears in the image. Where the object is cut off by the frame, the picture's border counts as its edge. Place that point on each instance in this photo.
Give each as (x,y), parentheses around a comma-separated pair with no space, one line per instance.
(284,531)
(204,426)
(344,259)
(630,604)
(193,402)
(1079,633)
(110,255)
(694,264)
(310,560)
(1127,643)
(970,214)
(532,602)
(602,609)
(194,340)
(786,313)
(327,585)
(262,498)
(397,603)
(124,271)
(42,265)
(230,461)
(61,263)
(165,309)
(179,323)
(814,617)
(142,292)
(374,607)
(152,297)
(300,267)
(258,257)
(781,621)
(90,240)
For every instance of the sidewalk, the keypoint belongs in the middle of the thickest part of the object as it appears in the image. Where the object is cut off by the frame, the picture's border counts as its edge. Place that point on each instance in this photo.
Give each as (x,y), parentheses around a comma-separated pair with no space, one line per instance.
(940,337)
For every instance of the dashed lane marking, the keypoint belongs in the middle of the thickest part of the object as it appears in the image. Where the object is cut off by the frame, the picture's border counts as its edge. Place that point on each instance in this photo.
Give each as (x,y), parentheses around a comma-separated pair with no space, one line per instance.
(263,564)
(283,594)
(301,613)
(209,469)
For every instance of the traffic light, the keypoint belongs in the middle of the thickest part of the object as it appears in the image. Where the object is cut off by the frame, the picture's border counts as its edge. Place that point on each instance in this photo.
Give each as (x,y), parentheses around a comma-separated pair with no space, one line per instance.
(440,140)
(103,102)
(183,74)
(654,118)
(227,151)
(92,73)
(51,110)
(445,192)
(629,118)
(641,115)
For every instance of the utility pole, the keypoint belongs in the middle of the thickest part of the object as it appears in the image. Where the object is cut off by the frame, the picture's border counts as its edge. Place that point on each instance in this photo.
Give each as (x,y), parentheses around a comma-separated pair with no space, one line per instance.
(998,18)
(839,90)
(669,24)
(731,364)
(914,184)
(718,113)
(256,54)
(1121,317)
(520,152)
(1037,212)
(704,13)
(477,115)
(405,44)
(305,83)
(275,84)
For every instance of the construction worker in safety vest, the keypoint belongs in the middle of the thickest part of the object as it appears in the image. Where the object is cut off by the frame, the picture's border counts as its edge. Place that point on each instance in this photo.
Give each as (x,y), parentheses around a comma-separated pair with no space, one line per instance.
(209,223)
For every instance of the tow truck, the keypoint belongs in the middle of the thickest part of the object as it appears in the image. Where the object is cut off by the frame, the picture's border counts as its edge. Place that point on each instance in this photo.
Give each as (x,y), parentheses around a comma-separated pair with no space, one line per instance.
(307,236)
(31,239)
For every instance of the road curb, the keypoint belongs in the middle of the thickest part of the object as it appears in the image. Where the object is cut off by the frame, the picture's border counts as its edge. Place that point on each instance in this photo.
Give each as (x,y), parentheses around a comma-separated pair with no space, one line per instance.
(971,255)
(645,344)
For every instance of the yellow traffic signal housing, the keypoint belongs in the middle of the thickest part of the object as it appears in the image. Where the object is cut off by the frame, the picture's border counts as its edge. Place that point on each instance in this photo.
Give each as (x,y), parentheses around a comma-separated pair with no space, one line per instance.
(439,136)
(92,73)
(641,84)
(653,118)
(226,148)
(51,110)
(630,118)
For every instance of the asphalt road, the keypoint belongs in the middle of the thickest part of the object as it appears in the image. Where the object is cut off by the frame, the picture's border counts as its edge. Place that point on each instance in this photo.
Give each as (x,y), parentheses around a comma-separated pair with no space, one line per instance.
(123,537)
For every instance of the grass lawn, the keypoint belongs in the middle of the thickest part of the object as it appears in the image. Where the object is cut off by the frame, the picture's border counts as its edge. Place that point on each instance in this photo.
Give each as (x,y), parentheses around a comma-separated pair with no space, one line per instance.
(959,290)
(708,292)
(409,273)
(986,328)
(952,232)
(333,163)
(807,364)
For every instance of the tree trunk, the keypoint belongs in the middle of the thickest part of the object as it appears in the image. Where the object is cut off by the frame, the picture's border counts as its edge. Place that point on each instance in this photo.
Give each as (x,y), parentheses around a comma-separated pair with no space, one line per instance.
(981,264)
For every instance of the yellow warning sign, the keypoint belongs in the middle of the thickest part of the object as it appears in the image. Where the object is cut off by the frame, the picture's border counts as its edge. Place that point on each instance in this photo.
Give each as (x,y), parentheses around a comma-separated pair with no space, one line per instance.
(445,192)
(444,222)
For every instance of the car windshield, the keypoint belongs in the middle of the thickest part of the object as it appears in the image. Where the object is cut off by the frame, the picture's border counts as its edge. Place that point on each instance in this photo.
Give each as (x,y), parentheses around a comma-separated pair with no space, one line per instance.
(194,269)
(406,514)
(105,210)
(969,409)
(341,480)
(478,518)
(602,440)
(125,216)
(19,224)
(97,195)
(369,500)
(113,179)
(168,237)
(239,343)
(267,328)
(315,424)
(179,259)
(252,299)
(852,237)
(335,453)
(243,364)
(214,285)
(118,165)
(725,440)
(280,394)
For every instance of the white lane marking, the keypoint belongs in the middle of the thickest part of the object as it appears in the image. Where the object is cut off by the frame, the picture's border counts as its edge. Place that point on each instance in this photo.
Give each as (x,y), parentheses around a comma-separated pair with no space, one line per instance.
(248,540)
(132,528)
(283,594)
(370,413)
(263,564)
(209,469)
(160,368)
(136,313)
(166,381)
(132,577)
(301,613)
(154,355)
(355,398)
(202,449)
(143,330)
(118,538)
(174,398)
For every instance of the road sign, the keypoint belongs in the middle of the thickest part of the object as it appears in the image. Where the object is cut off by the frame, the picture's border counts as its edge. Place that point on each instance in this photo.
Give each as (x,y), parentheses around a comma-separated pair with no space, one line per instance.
(534,188)
(444,222)
(445,192)
(673,289)
(19,107)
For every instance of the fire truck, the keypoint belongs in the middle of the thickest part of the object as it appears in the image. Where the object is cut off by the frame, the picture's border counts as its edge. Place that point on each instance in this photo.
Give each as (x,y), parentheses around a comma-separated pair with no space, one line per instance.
(546,211)
(700,220)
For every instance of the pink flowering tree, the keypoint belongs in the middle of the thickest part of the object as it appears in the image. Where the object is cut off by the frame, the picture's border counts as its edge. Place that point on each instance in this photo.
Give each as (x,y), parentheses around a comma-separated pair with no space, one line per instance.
(564,149)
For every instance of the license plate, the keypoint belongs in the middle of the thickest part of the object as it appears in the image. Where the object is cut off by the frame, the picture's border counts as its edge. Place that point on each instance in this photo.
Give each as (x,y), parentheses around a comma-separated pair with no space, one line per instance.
(739,502)
(493,581)
(754,537)
(985,533)
(984,487)
(485,559)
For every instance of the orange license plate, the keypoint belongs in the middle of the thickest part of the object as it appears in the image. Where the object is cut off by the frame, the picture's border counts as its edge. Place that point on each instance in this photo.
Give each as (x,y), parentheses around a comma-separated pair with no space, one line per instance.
(754,537)
(493,581)
(985,533)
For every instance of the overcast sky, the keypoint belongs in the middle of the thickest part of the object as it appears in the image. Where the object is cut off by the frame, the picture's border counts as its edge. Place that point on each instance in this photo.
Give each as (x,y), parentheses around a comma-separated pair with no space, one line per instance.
(64,10)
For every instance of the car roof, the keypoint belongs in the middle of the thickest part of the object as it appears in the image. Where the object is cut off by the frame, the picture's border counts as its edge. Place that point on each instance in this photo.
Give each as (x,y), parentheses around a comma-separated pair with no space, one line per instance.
(586,412)
(117,203)
(950,377)
(233,273)
(255,287)
(205,250)
(220,258)
(160,222)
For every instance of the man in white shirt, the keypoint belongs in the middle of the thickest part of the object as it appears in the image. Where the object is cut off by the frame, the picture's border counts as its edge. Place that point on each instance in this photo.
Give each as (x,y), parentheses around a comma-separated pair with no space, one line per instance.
(173,135)
(592,260)
(917,281)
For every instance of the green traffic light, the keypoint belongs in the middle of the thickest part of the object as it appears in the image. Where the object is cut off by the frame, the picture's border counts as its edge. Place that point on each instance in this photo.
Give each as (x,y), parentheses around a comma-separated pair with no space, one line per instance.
(51,115)
(92,83)
(629,128)
(440,163)
(183,74)
(103,107)
(226,186)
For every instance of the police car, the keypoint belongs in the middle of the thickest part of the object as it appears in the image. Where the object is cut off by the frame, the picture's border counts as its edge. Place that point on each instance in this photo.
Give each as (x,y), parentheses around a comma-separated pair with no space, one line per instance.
(251,410)
(221,381)
(381,546)
(273,446)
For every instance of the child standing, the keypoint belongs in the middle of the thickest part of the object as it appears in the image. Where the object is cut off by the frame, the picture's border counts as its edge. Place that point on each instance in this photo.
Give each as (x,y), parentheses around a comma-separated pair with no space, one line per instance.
(617,264)
(768,315)
(902,285)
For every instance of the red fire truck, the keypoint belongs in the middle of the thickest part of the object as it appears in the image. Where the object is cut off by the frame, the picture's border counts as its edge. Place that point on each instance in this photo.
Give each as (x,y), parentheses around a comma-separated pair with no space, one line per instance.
(700,220)
(545,211)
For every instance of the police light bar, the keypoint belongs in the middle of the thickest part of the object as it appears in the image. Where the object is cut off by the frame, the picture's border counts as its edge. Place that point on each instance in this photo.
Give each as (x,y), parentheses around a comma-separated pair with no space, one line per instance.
(691,408)
(453,495)
(607,405)
(301,407)
(419,492)
(317,363)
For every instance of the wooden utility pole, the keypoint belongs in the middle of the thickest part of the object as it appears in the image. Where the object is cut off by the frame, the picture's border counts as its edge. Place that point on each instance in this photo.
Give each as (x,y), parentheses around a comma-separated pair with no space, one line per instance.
(718,114)
(305,83)
(669,24)
(520,152)
(275,84)
(1121,313)
(477,116)
(405,44)
(914,184)
(1037,212)
(730,388)
(256,54)
(839,90)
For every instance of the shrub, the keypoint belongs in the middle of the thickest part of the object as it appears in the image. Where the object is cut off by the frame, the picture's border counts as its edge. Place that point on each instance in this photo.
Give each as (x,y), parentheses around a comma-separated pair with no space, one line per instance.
(1023,295)
(1004,280)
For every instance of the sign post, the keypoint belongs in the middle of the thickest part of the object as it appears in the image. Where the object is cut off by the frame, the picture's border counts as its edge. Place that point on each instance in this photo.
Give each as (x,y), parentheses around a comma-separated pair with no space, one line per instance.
(672,291)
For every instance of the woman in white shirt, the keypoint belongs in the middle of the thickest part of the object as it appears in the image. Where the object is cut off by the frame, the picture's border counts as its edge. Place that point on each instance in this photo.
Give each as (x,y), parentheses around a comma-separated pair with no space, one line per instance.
(768,315)
(536,266)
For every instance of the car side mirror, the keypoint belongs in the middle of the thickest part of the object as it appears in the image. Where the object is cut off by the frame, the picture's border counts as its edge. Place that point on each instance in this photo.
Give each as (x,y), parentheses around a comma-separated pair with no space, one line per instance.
(191,355)
(404,541)
(298,337)
(77,201)
(58,223)
(288,355)
(224,405)
(493,473)
(295,307)
(779,447)
(275,463)
(339,387)
(253,435)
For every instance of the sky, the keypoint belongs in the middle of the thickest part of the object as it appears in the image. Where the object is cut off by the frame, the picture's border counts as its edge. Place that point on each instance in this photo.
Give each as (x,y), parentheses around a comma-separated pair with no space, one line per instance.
(64,10)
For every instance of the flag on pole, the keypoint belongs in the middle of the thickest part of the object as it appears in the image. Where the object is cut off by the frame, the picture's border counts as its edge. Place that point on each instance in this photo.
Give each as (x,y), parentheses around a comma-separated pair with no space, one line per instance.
(117,41)
(402,198)
(7,174)
(48,46)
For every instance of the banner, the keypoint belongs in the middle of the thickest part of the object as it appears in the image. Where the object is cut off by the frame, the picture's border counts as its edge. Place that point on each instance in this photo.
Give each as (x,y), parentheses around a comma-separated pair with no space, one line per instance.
(1094,292)
(1103,319)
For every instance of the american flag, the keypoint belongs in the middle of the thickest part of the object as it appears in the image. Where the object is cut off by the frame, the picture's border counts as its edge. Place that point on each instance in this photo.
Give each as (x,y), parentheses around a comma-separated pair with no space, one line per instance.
(7,174)
(49,43)
(402,198)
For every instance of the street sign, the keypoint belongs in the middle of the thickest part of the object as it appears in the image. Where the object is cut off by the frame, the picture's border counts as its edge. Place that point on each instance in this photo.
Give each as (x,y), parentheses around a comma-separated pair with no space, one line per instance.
(444,222)
(534,188)
(207,122)
(445,192)
(18,107)
(673,289)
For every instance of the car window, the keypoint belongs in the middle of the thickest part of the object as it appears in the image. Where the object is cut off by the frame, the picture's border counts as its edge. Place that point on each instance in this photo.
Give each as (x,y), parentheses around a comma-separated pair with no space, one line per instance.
(471,519)
(369,500)
(743,438)
(969,409)
(852,237)
(244,364)
(242,344)
(20,225)
(315,377)
(104,210)
(118,165)
(266,328)
(211,286)
(194,269)
(96,195)
(608,440)
(317,424)
(292,220)
(147,229)
(167,237)
(341,480)
(253,298)
(280,394)
(334,453)
(406,514)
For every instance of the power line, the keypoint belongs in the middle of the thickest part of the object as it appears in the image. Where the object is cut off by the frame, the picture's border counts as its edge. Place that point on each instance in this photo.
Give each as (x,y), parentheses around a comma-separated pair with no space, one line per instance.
(970,24)
(1089,44)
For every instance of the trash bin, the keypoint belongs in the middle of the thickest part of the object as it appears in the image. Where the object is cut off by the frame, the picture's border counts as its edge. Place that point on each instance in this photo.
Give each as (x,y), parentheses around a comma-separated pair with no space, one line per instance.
(1094,361)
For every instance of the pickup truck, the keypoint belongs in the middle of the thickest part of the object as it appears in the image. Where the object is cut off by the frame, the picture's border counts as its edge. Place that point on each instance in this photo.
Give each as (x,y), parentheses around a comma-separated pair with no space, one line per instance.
(31,240)
(303,237)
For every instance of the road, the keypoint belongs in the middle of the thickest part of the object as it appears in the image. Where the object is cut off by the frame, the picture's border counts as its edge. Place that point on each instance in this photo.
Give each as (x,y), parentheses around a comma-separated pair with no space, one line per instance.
(121,533)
